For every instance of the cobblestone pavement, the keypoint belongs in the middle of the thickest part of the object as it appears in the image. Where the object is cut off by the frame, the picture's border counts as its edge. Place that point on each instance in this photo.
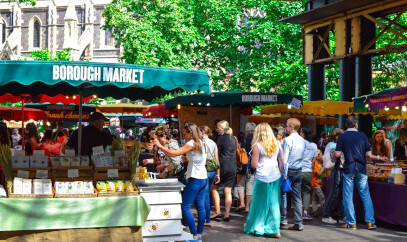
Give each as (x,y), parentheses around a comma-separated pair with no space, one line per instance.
(314,230)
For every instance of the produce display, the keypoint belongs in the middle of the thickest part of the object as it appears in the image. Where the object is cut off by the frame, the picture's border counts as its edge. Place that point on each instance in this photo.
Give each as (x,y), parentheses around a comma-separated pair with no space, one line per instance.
(134,154)
(382,172)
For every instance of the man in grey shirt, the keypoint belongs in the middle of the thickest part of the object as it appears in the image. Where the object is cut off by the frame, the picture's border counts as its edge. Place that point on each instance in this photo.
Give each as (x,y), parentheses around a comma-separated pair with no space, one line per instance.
(293,147)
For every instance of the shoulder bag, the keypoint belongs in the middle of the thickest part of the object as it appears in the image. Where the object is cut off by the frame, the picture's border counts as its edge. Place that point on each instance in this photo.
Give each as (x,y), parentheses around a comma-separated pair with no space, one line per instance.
(285,182)
(241,154)
(211,163)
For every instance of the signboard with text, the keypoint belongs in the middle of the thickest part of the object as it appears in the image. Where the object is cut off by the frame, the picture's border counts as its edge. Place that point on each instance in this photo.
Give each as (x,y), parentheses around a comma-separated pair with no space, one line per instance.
(67,116)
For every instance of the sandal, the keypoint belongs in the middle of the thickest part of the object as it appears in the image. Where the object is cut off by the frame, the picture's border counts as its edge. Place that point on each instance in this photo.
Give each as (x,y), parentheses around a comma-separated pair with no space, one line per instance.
(216,216)
(240,209)
(348,226)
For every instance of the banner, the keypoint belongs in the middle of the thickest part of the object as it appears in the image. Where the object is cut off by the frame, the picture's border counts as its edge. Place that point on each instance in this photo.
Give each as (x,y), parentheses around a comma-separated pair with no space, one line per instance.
(388,98)
(67,116)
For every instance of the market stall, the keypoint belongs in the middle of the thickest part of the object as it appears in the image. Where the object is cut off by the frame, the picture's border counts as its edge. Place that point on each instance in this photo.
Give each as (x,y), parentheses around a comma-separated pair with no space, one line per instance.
(231,106)
(98,179)
(160,111)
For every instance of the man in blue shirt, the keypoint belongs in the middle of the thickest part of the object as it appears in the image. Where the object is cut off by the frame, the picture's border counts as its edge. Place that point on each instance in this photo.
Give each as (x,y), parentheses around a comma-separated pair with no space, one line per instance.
(293,147)
(355,147)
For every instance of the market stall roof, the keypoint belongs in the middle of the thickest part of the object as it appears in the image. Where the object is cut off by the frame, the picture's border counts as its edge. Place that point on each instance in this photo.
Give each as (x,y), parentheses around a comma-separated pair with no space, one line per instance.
(246,99)
(42,98)
(16,114)
(121,108)
(327,10)
(388,98)
(159,111)
(101,79)
(318,108)
(59,107)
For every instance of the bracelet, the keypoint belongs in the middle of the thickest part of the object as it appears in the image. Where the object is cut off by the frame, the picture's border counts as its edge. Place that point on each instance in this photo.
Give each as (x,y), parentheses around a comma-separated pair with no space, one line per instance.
(378,157)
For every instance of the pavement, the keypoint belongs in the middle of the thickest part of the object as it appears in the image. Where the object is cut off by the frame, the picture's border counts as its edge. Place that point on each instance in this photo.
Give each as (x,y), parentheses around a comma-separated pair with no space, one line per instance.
(314,230)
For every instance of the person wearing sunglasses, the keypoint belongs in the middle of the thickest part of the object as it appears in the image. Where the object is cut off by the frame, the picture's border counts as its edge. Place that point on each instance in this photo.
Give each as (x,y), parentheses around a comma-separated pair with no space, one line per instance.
(196,176)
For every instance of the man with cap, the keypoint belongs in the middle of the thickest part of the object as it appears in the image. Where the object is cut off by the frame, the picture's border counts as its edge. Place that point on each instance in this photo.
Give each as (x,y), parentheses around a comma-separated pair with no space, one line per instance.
(92,135)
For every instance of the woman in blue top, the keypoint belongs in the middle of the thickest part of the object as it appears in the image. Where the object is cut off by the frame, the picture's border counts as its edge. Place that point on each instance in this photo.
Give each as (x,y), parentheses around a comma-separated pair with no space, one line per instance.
(264,212)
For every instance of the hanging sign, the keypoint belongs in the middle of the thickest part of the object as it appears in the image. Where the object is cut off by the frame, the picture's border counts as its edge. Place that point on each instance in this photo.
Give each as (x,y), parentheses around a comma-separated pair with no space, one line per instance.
(67,116)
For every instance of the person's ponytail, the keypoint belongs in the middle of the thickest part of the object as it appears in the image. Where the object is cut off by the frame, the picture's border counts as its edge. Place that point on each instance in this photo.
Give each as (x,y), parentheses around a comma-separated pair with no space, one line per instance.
(225,125)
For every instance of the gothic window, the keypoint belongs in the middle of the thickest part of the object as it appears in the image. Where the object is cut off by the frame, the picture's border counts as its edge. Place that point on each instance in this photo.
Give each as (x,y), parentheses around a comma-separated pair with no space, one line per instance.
(108,37)
(36,36)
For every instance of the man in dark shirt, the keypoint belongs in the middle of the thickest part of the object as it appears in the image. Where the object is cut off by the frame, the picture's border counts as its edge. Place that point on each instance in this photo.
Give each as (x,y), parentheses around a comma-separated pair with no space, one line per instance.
(92,135)
(355,147)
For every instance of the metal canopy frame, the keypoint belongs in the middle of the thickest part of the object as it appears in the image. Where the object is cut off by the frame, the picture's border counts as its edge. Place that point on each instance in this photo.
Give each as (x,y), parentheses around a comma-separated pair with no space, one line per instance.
(349,43)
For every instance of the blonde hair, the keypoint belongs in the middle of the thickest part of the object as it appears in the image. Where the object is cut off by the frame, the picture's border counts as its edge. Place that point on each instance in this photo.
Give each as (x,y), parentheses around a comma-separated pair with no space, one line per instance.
(225,126)
(196,137)
(263,132)
(295,123)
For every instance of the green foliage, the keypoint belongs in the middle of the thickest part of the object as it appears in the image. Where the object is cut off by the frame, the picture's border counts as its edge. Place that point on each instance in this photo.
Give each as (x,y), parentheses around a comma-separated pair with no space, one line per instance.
(45,55)
(30,2)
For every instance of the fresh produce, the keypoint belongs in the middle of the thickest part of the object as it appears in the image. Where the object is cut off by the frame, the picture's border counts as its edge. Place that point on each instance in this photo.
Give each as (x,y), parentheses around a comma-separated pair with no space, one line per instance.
(134,154)
(117,144)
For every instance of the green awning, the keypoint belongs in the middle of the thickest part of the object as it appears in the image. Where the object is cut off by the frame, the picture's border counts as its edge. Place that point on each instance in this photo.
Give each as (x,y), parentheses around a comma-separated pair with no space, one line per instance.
(101,79)
(390,98)
(247,99)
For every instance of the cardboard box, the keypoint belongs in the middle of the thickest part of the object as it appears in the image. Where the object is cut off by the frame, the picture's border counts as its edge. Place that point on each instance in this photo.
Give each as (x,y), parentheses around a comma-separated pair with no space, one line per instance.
(55,160)
(398,178)
(37,186)
(75,161)
(61,187)
(43,161)
(84,160)
(34,161)
(47,186)
(88,187)
(18,185)
(79,187)
(70,187)
(27,186)
(65,161)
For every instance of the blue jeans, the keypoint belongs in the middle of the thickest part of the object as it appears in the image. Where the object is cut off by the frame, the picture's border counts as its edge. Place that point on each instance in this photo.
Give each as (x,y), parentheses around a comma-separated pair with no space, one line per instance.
(195,190)
(335,193)
(211,180)
(296,182)
(361,183)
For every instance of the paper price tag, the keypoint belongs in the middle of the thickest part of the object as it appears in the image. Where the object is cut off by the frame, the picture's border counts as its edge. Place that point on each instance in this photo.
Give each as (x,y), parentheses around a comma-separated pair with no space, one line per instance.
(72,173)
(98,150)
(112,173)
(42,174)
(23,174)
(119,153)
(69,152)
(295,103)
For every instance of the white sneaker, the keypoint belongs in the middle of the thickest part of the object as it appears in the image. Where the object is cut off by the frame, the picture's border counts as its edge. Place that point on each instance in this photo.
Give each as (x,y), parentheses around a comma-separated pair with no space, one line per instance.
(329,220)
(284,222)
(342,221)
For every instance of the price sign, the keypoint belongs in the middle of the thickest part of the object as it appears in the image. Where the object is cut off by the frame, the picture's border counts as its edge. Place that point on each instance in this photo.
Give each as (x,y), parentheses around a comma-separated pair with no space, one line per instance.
(112,173)
(23,174)
(72,173)
(70,152)
(98,150)
(42,174)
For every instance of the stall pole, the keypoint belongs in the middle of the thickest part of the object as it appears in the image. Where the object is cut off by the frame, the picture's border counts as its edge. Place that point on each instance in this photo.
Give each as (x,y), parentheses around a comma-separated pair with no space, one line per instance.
(122,126)
(22,124)
(80,122)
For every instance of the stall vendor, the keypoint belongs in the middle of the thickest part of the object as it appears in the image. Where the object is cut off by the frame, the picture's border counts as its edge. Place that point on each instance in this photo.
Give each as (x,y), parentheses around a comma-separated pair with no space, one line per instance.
(92,135)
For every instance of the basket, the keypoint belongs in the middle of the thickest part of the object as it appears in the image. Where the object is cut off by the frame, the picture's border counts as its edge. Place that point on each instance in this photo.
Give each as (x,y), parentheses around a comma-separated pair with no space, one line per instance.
(12,195)
(118,194)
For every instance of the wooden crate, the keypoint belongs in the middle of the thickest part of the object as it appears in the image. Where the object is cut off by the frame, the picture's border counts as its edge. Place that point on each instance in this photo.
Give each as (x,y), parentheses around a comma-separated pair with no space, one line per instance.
(32,171)
(101,173)
(12,195)
(60,173)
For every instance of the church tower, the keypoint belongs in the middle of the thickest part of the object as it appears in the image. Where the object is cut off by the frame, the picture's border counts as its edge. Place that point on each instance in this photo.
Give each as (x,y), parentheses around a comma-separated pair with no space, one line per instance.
(71,28)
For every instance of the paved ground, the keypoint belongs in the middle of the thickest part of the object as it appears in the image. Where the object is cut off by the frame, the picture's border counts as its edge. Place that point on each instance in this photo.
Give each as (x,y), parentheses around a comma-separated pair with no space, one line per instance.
(314,230)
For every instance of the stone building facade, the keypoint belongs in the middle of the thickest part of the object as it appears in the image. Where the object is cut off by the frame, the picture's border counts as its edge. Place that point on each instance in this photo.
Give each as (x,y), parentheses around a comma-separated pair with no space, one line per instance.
(54,25)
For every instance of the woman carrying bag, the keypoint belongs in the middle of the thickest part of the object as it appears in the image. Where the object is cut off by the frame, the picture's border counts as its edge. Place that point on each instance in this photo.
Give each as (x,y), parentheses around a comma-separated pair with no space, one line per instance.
(267,158)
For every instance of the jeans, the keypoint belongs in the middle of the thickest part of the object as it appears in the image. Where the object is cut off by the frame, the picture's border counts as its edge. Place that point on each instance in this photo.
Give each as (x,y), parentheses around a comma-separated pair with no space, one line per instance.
(195,190)
(335,193)
(361,183)
(211,180)
(306,189)
(296,182)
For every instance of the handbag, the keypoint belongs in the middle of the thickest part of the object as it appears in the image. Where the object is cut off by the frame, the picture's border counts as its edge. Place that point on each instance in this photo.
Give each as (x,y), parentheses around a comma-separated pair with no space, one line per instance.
(211,163)
(241,154)
(285,182)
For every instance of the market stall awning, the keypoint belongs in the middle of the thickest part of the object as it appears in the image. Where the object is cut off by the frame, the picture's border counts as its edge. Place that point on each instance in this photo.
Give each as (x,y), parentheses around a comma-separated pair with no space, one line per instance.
(42,98)
(100,79)
(388,98)
(246,99)
(61,107)
(159,111)
(121,108)
(16,114)
(318,108)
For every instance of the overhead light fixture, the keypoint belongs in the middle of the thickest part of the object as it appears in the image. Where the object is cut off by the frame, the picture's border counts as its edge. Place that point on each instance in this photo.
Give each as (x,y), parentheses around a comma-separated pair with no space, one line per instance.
(404,108)
(397,107)
(386,109)
(41,123)
(48,124)
(179,106)
(74,97)
(367,105)
(199,104)
(66,97)
(208,104)
(95,96)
